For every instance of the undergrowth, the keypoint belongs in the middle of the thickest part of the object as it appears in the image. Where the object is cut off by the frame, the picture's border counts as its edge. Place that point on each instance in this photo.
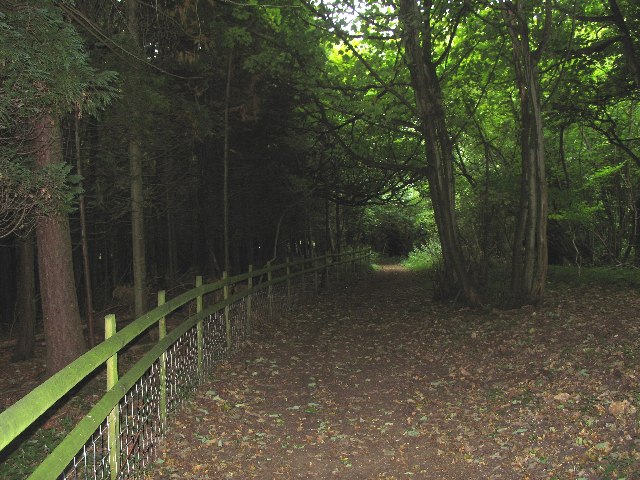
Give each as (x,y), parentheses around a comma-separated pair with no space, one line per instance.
(495,284)
(607,277)
(21,462)
(424,257)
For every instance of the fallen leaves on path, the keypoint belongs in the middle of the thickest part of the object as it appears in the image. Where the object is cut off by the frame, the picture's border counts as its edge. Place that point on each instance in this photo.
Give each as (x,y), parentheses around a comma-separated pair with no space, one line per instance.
(377,381)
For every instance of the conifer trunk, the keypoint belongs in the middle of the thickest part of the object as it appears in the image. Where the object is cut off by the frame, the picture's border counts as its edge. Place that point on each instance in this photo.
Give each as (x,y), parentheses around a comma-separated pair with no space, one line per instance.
(61,316)
(26,290)
(137,191)
(86,262)
(137,228)
(225,155)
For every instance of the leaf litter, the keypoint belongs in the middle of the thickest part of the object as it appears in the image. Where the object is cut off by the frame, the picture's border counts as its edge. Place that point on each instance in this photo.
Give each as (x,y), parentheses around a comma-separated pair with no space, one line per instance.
(376,381)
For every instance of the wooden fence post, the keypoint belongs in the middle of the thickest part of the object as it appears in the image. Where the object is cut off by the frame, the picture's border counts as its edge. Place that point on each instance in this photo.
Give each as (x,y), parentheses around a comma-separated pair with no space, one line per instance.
(288,281)
(249,295)
(114,416)
(162,332)
(199,332)
(227,316)
(270,289)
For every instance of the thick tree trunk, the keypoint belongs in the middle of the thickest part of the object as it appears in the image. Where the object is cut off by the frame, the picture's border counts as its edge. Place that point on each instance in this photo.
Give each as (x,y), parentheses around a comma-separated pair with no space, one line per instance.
(439,152)
(529,262)
(26,283)
(61,316)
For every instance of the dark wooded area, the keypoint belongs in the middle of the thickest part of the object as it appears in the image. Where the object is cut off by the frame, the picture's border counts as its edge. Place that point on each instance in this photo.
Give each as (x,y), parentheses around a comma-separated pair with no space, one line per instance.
(143,143)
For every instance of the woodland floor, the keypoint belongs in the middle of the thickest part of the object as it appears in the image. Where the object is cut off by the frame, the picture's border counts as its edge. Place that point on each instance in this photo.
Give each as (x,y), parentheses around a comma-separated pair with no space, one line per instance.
(377,381)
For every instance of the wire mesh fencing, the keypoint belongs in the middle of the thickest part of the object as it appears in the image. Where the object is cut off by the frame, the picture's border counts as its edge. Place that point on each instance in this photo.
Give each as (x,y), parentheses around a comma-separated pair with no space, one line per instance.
(140,423)
(92,462)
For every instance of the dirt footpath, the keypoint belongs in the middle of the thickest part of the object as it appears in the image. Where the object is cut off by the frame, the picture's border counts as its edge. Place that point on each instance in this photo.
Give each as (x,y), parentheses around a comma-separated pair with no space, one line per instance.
(377,381)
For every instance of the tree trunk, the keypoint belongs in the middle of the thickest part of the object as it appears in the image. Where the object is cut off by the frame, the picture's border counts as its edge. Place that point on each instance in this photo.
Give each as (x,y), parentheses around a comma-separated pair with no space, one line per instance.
(438,148)
(172,245)
(529,262)
(7,285)
(338,229)
(61,316)
(26,283)
(225,188)
(629,48)
(137,190)
(86,265)
(137,229)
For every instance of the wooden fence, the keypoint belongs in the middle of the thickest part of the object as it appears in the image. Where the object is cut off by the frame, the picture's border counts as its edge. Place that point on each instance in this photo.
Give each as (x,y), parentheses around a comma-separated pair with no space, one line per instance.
(117,438)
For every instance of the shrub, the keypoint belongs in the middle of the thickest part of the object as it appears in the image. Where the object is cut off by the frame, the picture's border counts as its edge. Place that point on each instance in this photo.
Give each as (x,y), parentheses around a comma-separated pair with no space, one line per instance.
(424,257)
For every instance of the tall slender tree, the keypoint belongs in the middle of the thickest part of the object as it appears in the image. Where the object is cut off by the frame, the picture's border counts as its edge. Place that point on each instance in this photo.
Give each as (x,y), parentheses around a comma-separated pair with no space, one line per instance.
(139,258)
(62,324)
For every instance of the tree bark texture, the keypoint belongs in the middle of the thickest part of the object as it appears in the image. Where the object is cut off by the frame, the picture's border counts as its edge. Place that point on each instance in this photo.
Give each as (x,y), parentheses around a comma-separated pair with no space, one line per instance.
(7,285)
(439,152)
(529,261)
(61,316)
(225,154)
(26,280)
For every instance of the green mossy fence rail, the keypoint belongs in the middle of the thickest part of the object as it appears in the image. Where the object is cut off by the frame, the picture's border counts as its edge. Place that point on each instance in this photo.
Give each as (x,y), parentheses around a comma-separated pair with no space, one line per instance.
(118,436)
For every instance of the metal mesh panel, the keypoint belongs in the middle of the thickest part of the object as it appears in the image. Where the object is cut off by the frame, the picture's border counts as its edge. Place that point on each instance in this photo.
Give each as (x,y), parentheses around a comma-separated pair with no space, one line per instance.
(92,462)
(259,307)
(182,368)
(280,299)
(140,422)
(214,343)
(305,286)
(238,320)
